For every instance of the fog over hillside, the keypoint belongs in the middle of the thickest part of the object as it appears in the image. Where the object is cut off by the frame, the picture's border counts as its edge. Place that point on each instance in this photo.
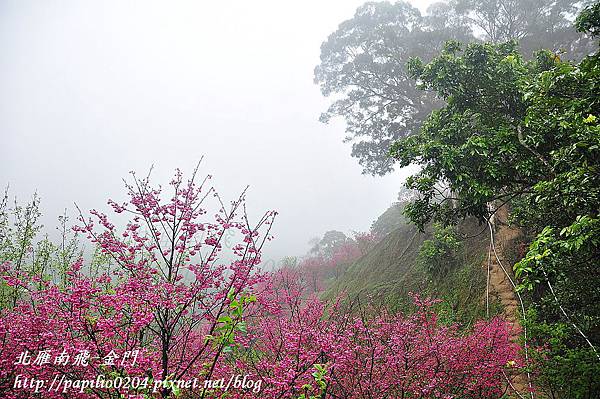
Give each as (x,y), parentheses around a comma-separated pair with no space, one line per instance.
(92,90)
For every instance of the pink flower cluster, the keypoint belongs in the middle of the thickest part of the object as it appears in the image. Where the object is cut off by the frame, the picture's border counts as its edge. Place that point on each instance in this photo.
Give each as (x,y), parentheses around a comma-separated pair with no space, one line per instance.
(367,353)
(166,293)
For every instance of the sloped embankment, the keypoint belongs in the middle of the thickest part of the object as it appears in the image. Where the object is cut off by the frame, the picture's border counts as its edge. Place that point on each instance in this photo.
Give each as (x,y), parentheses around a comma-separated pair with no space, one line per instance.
(390,271)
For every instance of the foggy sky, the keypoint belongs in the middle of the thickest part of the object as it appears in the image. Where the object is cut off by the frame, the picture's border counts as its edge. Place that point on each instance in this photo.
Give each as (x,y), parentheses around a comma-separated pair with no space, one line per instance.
(94,89)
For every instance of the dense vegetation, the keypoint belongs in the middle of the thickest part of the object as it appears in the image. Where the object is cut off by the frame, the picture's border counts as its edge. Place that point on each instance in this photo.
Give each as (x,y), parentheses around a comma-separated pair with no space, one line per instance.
(502,119)
(166,301)
(363,63)
(505,127)
(523,134)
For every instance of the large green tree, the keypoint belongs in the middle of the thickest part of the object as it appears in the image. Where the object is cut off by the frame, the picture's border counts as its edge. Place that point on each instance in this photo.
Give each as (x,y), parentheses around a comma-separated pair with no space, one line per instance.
(363,62)
(525,134)
(363,66)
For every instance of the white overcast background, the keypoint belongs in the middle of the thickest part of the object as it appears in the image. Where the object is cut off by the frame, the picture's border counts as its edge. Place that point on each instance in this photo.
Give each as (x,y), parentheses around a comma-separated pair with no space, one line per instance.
(93,89)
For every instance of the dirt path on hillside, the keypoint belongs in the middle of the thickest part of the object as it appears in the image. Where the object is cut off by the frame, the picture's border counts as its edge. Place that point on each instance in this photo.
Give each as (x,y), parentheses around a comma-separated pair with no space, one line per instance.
(502,288)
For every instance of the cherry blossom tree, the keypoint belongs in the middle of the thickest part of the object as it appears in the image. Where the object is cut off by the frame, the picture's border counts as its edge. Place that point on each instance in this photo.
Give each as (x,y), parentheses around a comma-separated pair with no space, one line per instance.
(165,293)
(301,347)
(177,294)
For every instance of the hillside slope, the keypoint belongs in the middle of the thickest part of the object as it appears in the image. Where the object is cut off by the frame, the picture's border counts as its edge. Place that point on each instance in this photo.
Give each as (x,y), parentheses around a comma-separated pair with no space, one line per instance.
(390,271)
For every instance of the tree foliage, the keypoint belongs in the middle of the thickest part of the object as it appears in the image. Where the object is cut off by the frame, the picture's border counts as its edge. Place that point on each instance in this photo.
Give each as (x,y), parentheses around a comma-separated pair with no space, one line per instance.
(170,306)
(363,61)
(524,134)
(164,292)
(440,254)
(535,24)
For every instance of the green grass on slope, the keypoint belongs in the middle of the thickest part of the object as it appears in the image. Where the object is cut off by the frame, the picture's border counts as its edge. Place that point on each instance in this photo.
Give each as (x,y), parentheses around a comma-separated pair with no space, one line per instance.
(387,274)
